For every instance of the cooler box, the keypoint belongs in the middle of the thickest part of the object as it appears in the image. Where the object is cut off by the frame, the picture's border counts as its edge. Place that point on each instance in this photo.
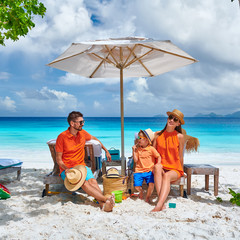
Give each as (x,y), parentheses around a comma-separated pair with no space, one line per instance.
(115,154)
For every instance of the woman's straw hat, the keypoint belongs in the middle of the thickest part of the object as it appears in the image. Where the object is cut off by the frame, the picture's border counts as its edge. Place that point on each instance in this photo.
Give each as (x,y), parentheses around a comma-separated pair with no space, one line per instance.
(192,143)
(75,177)
(149,134)
(178,114)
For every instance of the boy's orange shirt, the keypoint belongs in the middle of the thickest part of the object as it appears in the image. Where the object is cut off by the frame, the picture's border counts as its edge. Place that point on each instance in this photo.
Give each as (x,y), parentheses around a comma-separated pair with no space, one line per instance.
(146,159)
(72,147)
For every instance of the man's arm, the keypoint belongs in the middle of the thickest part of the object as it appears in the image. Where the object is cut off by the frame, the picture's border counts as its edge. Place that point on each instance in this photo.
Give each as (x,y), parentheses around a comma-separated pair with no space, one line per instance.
(60,161)
(108,156)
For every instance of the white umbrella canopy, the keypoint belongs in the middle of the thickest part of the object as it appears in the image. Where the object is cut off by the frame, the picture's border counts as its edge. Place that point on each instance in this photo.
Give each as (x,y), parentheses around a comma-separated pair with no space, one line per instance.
(113,58)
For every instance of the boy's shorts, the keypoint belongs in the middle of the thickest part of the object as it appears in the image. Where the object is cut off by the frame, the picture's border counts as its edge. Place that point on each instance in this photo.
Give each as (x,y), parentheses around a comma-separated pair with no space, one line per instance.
(140,177)
(89,174)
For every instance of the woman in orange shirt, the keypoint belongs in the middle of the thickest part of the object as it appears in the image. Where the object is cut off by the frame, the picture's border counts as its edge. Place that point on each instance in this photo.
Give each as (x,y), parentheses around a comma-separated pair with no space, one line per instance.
(170,144)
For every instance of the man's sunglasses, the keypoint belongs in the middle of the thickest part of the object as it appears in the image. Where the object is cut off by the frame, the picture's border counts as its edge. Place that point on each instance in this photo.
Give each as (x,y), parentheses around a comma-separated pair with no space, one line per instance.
(175,119)
(80,122)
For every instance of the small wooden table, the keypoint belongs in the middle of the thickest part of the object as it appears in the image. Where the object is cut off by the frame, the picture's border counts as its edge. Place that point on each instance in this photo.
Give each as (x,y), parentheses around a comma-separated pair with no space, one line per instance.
(202,169)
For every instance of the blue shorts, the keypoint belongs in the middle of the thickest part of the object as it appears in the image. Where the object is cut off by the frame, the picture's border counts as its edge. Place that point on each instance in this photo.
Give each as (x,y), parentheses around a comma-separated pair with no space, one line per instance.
(140,177)
(89,174)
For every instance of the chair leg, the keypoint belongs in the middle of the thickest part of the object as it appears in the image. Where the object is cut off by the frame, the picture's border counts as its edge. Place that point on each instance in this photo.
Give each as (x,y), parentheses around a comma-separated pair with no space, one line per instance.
(206,182)
(46,189)
(181,190)
(19,174)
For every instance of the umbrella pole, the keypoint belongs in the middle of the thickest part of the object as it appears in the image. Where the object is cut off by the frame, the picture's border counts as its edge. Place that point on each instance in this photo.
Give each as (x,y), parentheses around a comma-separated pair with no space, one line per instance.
(123,164)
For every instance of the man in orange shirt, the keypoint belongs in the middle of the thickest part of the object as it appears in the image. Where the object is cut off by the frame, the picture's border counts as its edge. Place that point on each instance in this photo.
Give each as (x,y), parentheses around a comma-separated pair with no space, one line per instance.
(70,153)
(145,157)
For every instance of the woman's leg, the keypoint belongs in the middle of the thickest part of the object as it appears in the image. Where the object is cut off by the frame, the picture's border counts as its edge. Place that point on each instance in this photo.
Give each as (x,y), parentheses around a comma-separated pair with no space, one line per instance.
(168,177)
(158,174)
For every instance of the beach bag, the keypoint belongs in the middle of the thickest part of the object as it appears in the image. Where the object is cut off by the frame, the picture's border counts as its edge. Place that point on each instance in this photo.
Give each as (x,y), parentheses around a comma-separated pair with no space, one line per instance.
(115,153)
(114,183)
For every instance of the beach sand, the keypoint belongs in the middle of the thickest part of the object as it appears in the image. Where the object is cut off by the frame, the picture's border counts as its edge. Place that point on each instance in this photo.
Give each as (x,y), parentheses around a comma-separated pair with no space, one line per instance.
(26,215)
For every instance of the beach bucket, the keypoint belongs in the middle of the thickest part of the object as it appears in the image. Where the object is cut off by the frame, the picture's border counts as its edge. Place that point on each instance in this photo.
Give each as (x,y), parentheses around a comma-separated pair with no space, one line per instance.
(172,205)
(118,196)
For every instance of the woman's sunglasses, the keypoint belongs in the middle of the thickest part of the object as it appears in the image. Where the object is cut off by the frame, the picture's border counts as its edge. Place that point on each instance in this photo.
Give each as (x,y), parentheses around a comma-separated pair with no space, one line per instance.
(175,119)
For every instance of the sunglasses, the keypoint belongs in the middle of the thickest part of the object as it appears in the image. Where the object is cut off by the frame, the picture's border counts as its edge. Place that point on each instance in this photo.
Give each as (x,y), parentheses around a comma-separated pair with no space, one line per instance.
(175,119)
(140,137)
(80,122)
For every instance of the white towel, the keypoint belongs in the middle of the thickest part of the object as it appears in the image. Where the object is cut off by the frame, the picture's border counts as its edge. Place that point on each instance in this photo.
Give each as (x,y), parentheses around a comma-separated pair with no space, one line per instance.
(96,147)
(9,162)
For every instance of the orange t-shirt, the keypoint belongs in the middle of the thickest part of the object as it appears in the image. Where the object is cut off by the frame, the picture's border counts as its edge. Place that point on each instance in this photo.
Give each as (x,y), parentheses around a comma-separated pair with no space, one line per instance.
(146,159)
(168,147)
(72,147)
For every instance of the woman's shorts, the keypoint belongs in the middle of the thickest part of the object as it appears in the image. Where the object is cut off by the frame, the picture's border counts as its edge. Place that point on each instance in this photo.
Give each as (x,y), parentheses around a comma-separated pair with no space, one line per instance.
(140,177)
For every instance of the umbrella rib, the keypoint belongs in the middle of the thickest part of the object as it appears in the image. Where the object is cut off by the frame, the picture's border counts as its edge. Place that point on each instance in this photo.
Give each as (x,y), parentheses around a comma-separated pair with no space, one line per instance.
(99,65)
(143,65)
(175,54)
(74,55)
(104,59)
(137,59)
(131,50)
(110,51)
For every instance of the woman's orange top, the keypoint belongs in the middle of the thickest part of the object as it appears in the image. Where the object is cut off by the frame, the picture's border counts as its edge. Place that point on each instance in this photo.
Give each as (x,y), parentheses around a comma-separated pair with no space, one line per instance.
(168,147)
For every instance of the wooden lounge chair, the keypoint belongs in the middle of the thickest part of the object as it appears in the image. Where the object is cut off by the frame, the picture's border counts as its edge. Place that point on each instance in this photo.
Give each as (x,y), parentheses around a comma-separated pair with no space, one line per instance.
(54,177)
(10,165)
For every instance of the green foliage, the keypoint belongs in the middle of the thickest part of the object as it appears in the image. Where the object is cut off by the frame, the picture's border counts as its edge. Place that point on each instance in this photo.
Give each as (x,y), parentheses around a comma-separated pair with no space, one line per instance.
(219,199)
(16,17)
(235,197)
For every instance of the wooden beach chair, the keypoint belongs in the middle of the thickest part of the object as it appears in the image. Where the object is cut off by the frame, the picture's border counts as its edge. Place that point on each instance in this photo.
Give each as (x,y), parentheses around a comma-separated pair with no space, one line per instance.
(10,165)
(53,177)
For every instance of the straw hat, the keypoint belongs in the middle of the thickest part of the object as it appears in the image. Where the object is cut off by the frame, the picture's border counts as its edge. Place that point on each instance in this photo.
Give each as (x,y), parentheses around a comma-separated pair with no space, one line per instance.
(75,177)
(112,173)
(178,114)
(149,134)
(192,143)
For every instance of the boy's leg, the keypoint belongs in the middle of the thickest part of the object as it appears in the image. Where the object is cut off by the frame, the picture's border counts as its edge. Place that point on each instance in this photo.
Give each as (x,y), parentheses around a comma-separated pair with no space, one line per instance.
(150,181)
(149,191)
(138,180)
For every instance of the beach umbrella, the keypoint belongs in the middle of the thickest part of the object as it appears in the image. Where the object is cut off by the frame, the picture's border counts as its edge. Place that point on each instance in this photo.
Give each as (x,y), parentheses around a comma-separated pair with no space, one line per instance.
(115,58)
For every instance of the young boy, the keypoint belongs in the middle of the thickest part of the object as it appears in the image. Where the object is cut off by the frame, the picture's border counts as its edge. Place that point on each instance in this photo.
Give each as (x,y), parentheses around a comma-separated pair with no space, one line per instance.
(145,157)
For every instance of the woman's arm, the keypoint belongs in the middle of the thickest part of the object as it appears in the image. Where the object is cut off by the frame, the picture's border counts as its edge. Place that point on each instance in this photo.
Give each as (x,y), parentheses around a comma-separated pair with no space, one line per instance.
(181,147)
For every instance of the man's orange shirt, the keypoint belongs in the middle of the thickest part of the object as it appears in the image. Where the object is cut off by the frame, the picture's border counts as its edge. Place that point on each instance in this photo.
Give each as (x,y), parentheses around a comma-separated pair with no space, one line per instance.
(72,147)
(146,159)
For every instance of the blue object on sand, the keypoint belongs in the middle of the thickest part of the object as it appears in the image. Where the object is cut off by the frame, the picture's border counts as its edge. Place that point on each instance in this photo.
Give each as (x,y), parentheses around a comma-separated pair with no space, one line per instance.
(172,205)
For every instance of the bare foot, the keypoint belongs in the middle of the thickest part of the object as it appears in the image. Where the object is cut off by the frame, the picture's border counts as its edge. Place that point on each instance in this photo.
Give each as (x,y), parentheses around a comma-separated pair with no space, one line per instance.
(141,195)
(107,206)
(159,208)
(147,200)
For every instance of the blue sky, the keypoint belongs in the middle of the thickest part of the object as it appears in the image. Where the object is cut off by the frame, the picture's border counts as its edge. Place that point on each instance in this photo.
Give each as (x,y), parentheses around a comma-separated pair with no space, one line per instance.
(207,30)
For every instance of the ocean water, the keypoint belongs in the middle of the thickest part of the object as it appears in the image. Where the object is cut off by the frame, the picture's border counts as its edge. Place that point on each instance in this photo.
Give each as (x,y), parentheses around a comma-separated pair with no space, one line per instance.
(25,138)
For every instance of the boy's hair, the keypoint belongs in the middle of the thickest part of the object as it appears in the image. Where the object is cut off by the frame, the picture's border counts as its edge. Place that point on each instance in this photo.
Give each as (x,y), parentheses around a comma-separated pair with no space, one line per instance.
(73,115)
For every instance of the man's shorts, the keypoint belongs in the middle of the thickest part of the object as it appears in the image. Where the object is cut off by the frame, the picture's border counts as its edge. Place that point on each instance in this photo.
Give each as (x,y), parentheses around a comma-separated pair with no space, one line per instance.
(140,177)
(89,174)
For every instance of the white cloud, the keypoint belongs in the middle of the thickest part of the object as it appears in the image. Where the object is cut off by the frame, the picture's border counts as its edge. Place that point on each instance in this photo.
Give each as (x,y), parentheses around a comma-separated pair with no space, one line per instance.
(7,104)
(4,76)
(141,93)
(49,100)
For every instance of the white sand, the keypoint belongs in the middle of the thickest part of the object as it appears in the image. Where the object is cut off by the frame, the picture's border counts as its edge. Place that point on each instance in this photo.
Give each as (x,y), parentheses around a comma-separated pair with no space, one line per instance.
(26,215)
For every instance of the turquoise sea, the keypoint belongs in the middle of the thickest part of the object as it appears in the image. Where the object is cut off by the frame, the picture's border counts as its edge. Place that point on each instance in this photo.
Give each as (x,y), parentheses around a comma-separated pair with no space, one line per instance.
(25,138)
